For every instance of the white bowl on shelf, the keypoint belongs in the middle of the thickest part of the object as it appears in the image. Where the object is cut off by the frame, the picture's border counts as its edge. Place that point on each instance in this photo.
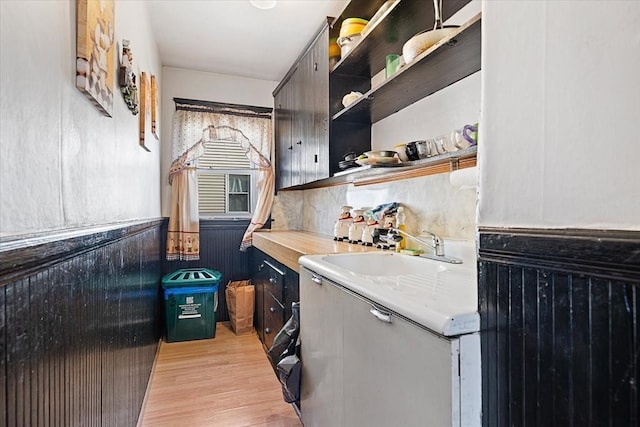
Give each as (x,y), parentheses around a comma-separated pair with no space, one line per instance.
(381,157)
(424,40)
(350,98)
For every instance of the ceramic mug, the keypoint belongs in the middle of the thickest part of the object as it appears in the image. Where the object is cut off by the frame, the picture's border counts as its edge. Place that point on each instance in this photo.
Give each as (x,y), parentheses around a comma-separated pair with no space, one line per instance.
(424,150)
(470,133)
(401,149)
(439,146)
(456,141)
(412,150)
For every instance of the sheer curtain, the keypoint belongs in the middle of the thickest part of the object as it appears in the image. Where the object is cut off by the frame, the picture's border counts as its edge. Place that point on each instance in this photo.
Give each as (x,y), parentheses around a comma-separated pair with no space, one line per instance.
(191,130)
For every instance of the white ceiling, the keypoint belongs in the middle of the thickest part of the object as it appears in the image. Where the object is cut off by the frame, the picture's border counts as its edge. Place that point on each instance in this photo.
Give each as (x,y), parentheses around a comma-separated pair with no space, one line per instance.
(233,37)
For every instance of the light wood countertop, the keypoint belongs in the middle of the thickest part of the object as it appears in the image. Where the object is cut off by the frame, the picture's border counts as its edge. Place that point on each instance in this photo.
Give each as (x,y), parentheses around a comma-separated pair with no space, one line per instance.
(288,246)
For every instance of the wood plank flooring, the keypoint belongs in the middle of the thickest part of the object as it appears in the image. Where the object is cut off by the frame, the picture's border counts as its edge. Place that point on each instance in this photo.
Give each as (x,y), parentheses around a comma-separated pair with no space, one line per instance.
(226,381)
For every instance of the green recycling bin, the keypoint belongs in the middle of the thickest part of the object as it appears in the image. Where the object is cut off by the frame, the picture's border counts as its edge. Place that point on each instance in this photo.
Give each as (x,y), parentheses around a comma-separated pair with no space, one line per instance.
(191,302)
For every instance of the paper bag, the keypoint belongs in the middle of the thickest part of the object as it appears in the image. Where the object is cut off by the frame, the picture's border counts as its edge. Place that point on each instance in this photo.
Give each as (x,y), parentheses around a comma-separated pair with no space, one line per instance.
(240,296)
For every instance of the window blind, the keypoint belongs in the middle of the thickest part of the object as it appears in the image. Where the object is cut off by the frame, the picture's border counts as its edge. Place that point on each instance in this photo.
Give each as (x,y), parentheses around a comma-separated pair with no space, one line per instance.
(212,185)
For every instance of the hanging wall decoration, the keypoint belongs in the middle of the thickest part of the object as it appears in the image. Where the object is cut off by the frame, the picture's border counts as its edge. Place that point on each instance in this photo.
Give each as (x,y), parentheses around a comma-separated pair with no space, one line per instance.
(144,108)
(95,58)
(127,78)
(154,107)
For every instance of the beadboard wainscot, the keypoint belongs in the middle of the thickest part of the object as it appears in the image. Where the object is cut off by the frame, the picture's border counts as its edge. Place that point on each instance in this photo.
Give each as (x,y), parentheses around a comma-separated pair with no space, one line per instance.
(80,323)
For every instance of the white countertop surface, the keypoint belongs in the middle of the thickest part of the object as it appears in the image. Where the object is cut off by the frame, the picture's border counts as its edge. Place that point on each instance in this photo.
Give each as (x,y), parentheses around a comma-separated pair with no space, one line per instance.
(442,297)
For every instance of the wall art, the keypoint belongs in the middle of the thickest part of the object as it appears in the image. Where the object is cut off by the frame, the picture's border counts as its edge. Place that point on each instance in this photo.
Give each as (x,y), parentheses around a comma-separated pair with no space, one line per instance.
(95,58)
(127,79)
(144,108)
(154,107)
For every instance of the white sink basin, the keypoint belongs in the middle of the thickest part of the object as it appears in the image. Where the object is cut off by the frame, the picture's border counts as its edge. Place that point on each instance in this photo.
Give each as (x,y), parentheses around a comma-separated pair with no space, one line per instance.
(440,296)
(383,264)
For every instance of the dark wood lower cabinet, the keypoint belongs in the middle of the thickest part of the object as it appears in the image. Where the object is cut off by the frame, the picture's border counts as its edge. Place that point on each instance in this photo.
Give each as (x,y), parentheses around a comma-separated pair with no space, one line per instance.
(258,314)
(273,318)
(560,318)
(276,288)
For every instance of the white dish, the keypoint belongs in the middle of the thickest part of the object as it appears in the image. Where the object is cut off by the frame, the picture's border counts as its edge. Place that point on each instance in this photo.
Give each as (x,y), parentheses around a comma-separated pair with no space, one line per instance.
(401,149)
(350,98)
(423,41)
(377,160)
(383,160)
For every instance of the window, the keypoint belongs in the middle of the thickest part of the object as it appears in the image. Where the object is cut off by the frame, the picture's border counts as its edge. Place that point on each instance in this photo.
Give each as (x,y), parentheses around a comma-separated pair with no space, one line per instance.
(226,181)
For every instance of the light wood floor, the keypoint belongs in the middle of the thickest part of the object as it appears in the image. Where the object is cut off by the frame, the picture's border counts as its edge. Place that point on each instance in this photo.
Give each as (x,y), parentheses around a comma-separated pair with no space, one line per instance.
(226,381)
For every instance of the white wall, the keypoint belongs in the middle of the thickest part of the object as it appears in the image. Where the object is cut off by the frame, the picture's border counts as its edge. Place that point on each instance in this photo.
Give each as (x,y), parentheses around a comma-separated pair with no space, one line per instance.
(64,164)
(560,115)
(190,84)
(451,108)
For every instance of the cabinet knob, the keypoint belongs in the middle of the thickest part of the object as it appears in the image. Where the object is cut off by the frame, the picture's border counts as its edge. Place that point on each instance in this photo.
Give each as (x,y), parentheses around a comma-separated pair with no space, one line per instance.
(272,309)
(267,330)
(290,148)
(299,143)
(272,280)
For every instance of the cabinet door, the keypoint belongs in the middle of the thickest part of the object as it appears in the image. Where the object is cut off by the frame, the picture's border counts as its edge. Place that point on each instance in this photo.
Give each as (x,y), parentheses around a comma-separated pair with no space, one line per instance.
(275,281)
(291,291)
(259,276)
(395,373)
(273,318)
(302,140)
(308,146)
(284,134)
(321,324)
(258,314)
(320,107)
(297,125)
(314,110)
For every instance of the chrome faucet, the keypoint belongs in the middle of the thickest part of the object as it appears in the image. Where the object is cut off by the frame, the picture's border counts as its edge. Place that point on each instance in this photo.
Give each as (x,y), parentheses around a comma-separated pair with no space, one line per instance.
(437,244)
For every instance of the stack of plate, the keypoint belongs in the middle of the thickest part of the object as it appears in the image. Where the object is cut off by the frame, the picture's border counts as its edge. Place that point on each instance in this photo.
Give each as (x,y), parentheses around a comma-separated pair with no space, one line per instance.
(346,164)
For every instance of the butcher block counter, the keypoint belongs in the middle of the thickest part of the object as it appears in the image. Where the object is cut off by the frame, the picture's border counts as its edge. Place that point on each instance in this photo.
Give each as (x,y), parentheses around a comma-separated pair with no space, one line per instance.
(288,246)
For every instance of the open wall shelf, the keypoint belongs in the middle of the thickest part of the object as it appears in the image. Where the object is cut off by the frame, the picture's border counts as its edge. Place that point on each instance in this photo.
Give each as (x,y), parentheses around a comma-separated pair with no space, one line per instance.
(367,175)
(450,60)
(398,24)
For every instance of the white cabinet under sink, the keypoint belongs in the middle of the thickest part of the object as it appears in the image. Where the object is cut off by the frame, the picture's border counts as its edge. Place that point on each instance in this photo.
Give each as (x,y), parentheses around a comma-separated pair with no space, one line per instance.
(366,366)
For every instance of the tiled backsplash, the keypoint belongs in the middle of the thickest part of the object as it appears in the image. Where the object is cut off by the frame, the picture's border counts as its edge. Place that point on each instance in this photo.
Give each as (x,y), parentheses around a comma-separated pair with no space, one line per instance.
(431,203)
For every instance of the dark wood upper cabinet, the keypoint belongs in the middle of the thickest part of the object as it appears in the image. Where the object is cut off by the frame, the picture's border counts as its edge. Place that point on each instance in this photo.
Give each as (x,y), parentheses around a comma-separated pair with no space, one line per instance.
(314,130)
(308,147)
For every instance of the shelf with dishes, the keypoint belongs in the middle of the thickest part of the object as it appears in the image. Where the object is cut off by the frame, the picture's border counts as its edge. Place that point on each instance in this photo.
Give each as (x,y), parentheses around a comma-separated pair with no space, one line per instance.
(451,59)
(387,31)
(393,171)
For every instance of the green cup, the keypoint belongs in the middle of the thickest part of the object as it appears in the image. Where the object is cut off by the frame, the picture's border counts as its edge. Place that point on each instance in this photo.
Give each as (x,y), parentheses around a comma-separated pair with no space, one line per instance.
(392,65)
